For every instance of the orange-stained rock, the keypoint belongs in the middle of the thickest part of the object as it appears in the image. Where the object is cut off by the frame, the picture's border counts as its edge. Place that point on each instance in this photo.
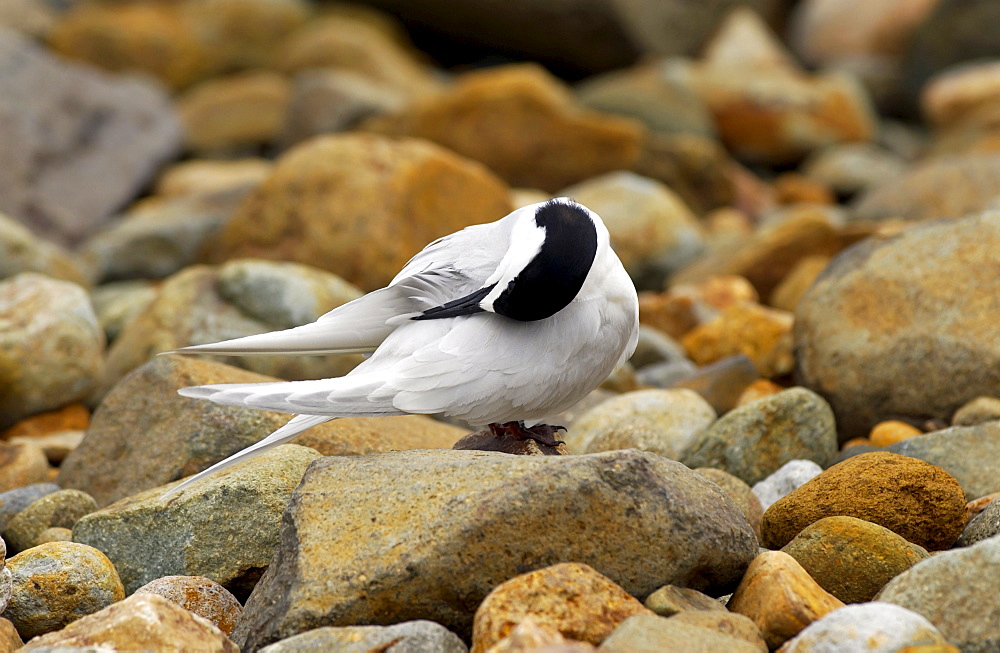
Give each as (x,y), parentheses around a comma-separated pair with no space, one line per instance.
(329,194)
(758,390)
(856,442)
(140,622)
(570,598)
(885,433)
(672,314)
(851,558)
(72,417)
(964,97)
(910,497)
(22,464)
(200,595)
(780,597)
(524,125)
(9,639)
(764,334)
(794,188)
(178,42)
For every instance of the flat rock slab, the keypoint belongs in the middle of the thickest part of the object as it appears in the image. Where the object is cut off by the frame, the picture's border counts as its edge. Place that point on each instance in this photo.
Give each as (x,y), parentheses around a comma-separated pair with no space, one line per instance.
(428,534)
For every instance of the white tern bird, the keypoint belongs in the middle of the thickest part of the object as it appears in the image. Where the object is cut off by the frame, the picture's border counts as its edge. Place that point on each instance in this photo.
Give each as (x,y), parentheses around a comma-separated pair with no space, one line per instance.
(500,324)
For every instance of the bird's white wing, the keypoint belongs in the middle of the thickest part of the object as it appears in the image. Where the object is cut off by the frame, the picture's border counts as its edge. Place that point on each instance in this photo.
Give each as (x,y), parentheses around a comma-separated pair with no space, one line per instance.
(448,268)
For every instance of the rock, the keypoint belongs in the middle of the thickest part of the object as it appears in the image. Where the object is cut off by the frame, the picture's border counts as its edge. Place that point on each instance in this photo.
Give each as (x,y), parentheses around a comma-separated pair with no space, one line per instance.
(743,39)
(62,508)
(764,334)
(528,636)
(780,597)
(670,600)
(723,622)
(659,499)
(665,374)
(330,193)
(977,506)
(140,622)
(829,32)
(721,383)
(57,583)
(503,117)
(739,492)
(78,143)
(6,588)
(569,598)
(770,254)
(754,440)
(918,501)
(870,627)
(759,389)
(759,114)
(858,330)
(851,558)
(204,304)
(118,302)
(654,346)
(51,346)
(962,97)
(662,421)
(653,232)
(852,168)
(9,639)
(208,176)
(955,591)
(131,447)
(71,417)
(236,113)
(21,464)
(55,446)
(157,238)
(408,637)
(890,432)
(969,453)
(202,596)
(942,187)
(54,534)
(792,188)
(788,477)
(21,251)
(362,44)
(698,168)
(985,524)
(16,500)
(224,528)
(977,411)
(178,42)
(648,93)
(649,634)
(326,100)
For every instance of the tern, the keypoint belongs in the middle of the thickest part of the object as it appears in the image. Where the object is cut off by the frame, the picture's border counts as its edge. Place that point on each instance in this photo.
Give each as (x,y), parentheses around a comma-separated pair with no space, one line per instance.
(500,324)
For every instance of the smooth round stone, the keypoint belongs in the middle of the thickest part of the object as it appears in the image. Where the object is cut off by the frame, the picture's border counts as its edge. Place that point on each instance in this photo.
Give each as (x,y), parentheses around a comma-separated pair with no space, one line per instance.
(57,583)
(852,558)
(662,421)
(200,595)
(655,346)
(867,628)
(16,500)
(22,464)
(977,411)
(62,509)
(55,534)
(890,432)
(670,600)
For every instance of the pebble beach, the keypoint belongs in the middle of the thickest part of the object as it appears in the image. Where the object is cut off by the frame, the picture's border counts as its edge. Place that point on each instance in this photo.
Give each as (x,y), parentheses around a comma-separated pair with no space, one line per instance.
(801,456)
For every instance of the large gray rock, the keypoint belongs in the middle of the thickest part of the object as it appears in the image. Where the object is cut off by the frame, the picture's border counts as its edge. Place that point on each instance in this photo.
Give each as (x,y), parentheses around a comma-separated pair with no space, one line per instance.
(892,323)
(78,142)
(51,346)
(409,637)
(224,528)
(756,439)
(428,534)
(957,592)
(969,453)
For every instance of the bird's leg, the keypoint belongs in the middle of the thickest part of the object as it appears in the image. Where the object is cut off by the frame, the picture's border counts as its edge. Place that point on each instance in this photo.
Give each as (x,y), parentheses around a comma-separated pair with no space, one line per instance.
(540,433)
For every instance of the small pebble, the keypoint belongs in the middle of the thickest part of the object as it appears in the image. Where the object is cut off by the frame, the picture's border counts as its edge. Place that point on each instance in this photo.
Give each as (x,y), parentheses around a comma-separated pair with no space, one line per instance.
(200,595)
(885,433)
(63,508)
(788,477)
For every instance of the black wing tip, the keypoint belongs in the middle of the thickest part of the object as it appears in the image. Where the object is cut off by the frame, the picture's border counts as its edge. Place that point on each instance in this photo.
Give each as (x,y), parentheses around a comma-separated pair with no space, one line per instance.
(467,305)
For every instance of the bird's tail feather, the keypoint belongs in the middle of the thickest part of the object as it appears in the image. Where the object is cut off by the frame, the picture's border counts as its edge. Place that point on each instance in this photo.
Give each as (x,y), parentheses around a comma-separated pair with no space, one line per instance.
(293,427)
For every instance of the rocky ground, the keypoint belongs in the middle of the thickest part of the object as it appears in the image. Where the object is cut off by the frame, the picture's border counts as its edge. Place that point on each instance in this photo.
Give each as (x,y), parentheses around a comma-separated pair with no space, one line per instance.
(800,456)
